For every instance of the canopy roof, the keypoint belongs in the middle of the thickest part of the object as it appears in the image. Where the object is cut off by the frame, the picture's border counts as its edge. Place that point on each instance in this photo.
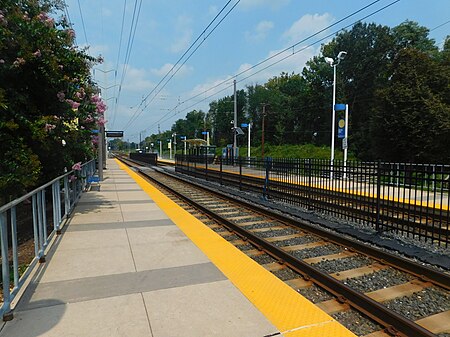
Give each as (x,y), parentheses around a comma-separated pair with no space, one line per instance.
(195,142)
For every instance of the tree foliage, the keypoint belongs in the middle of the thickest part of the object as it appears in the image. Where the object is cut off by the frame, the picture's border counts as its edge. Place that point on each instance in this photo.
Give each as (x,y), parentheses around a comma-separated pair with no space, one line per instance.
(395,80)
(47,98)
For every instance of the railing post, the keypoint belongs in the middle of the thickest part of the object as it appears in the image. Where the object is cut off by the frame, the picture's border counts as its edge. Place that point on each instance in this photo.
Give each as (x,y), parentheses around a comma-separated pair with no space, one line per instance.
(14,247)
(206,165)
(221,164)
(240,173)
(378,200)
(66,196)
(7,314)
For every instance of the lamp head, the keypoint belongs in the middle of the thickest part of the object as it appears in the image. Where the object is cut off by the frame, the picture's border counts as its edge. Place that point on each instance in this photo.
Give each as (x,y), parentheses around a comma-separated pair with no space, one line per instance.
(329,60)
(341,55)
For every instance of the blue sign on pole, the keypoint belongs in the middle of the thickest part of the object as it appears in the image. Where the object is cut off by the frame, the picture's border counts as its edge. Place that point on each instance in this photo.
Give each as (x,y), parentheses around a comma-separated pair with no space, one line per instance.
(244,125)
(204,132)
(339,107)
(341,128)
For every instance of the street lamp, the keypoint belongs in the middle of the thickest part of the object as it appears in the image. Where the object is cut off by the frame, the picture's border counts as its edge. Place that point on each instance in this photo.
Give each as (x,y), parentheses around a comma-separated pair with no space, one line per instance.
(333,64)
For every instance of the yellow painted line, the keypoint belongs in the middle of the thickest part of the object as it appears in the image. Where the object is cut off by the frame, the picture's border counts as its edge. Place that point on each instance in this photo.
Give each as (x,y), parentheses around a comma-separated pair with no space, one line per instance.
(291,313)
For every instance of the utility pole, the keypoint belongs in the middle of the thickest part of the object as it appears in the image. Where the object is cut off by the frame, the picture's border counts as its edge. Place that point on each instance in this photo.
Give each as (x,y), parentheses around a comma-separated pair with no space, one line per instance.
(262,133)
(248,145)
(235,122)
(160,141)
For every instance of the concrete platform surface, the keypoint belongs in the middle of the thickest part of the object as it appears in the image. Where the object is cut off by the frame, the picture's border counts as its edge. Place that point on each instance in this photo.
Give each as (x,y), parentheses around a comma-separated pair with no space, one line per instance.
(123,268)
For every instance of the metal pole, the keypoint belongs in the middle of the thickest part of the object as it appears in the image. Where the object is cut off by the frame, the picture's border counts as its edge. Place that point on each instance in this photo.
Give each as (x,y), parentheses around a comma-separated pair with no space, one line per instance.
(235,122)
(100,154)
(346,141)
(333,122)
(262,133)
(248,146)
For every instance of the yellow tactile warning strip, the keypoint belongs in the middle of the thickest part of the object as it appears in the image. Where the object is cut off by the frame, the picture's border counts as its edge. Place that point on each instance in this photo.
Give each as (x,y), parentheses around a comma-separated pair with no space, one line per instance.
(291,313)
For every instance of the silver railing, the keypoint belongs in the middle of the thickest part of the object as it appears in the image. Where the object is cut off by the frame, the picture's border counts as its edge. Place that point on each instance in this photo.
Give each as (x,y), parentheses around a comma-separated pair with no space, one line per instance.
(31,211)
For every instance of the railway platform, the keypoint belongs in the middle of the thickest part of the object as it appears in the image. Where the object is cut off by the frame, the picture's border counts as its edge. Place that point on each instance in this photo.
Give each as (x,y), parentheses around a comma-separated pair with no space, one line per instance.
(131,262)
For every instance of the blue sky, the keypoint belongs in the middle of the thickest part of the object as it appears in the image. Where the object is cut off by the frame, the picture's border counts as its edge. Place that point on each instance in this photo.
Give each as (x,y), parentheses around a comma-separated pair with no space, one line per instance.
(253,31)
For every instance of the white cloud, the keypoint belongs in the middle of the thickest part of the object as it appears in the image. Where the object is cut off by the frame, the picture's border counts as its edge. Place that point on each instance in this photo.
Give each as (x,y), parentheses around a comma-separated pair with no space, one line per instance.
(260,31)
(161,72)
(184,33)
(308,24)
(273,4)
(220,87)
(136,81)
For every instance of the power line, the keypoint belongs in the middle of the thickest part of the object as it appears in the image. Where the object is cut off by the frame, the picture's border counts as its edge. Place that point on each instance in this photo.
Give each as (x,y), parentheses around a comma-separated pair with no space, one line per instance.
(277,54)
(131,35)
(82,22)
(117,63)
(272,64)
(442,24)
(66,11)
(137,113)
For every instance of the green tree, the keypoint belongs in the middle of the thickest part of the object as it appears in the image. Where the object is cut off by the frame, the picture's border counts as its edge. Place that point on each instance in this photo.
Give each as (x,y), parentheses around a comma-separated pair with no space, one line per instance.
(411,121)
(46,96)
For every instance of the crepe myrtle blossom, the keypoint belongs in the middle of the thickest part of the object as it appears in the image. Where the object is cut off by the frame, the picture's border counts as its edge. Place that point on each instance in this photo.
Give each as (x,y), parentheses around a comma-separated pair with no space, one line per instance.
(61,96)
(101,107)
(70,33)
(48,21)
(77,166)
(37,53)
(101,121)
(94,140)
(72,178)
(18,62)
(49,127)
(95,98)
(3,21)
(74,105)
(80,93)
(89,119)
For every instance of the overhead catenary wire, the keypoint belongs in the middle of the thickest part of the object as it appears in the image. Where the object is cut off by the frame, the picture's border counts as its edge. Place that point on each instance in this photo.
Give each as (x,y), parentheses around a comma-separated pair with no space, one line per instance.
(278,54)
(163,119)
(137,113)
(131,35)
(117,63)
(82,22)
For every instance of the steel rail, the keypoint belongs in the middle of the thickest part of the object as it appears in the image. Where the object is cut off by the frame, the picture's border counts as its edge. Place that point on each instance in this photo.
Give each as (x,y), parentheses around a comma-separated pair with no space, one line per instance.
(395,323)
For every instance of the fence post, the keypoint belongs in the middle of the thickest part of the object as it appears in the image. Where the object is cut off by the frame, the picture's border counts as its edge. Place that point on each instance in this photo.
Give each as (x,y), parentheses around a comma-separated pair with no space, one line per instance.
(7,316)
(240,173)
(221,163)
(206,165)
(378,215)
(267,162)
(309,187)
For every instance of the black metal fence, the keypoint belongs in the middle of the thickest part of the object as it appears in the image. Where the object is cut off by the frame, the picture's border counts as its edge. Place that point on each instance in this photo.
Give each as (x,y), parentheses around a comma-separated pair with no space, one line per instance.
(408,199)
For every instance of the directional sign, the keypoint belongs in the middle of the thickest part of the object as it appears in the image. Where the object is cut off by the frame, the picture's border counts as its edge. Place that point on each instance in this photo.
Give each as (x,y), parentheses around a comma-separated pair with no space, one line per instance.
(114,134)
(205,132)
(244,125)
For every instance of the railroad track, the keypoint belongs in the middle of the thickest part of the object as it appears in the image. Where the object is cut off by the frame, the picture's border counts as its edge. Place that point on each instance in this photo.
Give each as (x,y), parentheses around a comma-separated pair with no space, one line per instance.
(399,215)
(372,292)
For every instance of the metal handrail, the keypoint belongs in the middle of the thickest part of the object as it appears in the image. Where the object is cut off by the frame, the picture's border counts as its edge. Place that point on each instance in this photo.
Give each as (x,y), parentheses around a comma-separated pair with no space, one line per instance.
(71,191)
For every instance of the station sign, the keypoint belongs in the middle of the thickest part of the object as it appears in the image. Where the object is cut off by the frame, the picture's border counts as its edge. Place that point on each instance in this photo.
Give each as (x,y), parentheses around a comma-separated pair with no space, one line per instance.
(341,128)
(114,134)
